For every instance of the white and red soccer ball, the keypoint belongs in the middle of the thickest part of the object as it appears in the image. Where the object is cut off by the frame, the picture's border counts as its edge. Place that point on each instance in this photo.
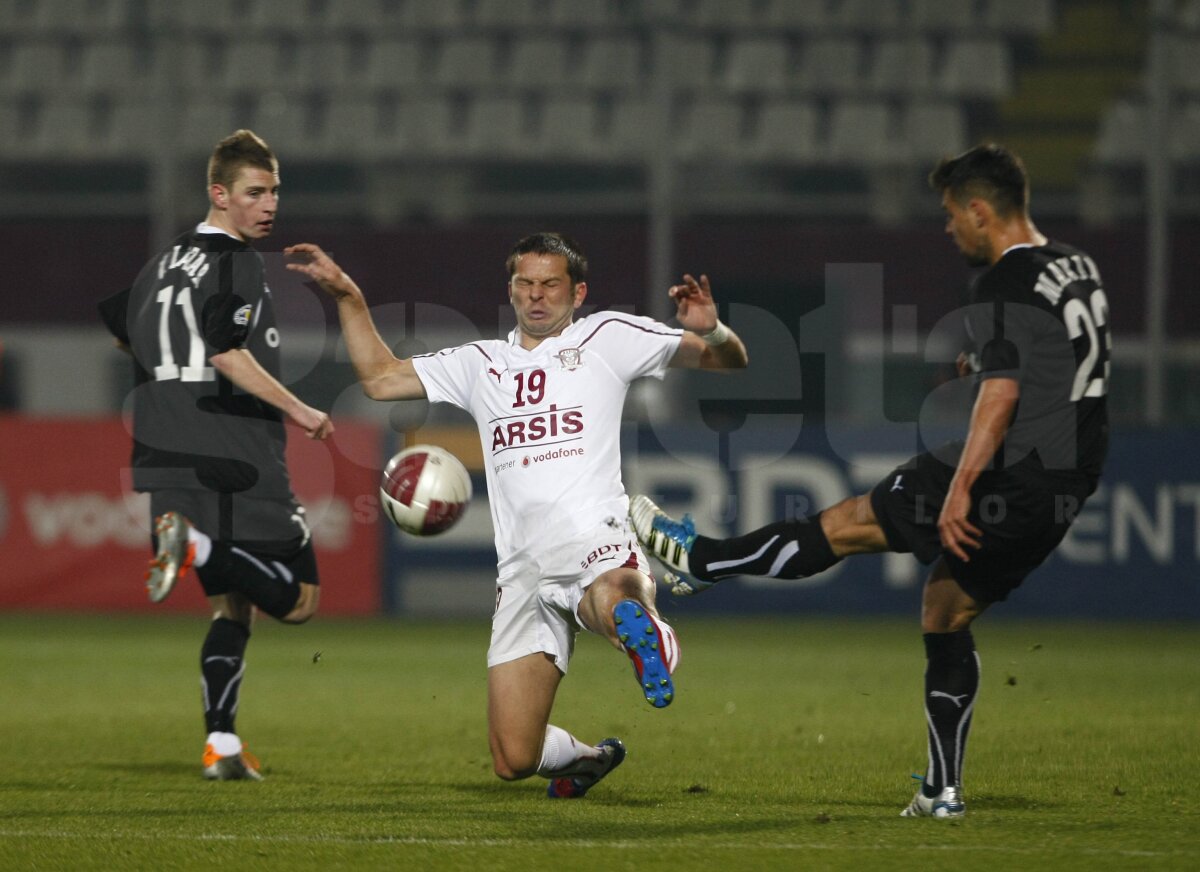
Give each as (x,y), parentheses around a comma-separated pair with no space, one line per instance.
(425,490)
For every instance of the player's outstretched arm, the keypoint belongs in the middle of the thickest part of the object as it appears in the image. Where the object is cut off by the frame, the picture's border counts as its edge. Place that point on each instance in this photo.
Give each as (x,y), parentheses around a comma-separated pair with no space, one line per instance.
(240,367)
(708,344)
(990,420)
(382,375)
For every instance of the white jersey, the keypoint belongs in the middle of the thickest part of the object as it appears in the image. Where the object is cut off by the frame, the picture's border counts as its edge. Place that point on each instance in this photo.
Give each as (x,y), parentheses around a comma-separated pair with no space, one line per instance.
(550,421)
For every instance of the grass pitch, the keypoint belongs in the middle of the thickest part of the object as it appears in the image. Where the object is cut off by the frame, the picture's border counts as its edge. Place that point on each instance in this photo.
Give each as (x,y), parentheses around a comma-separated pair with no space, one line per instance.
(789,746)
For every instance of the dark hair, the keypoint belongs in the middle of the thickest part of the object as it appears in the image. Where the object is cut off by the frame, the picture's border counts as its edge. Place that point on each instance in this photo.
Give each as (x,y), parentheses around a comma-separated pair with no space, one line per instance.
(551,243)
(243,148)
(990,172)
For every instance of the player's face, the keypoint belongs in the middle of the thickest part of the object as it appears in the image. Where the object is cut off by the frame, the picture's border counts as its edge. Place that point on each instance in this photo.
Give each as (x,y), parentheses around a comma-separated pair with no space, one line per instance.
(963,225)
(250,204)
(543,296)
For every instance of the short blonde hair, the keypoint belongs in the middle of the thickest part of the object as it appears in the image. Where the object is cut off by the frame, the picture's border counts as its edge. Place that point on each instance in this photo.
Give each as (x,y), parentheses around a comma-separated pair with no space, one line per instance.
(243,148)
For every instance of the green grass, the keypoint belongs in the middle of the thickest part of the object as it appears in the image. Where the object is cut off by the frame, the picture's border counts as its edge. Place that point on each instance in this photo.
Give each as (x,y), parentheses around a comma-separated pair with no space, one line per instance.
(789,747)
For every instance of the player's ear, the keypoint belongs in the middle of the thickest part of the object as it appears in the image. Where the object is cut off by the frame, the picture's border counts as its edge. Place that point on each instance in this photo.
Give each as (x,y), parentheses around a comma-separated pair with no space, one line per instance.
(219,195)
(580,293)
(981,212)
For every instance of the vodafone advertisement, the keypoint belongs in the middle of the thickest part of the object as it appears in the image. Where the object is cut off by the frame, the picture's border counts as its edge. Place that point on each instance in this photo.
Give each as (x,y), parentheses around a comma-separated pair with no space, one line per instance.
(74,536)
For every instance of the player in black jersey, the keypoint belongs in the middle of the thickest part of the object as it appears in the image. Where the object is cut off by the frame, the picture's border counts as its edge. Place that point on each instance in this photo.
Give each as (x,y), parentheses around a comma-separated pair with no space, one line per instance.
(985,512)
(208,432)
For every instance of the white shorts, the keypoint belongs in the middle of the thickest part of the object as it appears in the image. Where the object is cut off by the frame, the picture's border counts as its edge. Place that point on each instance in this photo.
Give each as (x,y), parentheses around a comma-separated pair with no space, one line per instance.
(537,598)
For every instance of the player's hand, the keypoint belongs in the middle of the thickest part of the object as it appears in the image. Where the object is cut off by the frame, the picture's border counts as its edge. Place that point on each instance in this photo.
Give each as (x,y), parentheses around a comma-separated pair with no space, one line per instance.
(311,261)
(694,306)
(956,532)
(315,423)
(966,364)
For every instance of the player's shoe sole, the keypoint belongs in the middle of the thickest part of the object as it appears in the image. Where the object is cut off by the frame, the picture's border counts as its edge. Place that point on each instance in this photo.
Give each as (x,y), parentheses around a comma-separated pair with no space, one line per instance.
(173,558)
(652,647)
(613,755)
(242,766)
(947,804)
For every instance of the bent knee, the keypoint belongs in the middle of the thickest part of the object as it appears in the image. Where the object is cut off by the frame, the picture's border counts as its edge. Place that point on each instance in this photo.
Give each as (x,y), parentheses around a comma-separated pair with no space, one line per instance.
(306,605)
(510,770)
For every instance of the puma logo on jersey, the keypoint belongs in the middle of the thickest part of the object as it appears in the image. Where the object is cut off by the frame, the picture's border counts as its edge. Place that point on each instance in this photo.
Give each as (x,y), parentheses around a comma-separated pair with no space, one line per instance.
(495,373)
(896,484)
(954,699)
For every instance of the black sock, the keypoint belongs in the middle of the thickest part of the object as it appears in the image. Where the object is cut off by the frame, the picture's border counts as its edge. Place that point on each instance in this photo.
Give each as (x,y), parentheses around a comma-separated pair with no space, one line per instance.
(266,583)
(222,663)
(951,684)
(787,549)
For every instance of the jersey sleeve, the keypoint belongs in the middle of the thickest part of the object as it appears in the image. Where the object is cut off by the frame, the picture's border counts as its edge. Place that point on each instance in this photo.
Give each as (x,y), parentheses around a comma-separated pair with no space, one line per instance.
(449,375)
(634,346)
(114,312)
(228,314)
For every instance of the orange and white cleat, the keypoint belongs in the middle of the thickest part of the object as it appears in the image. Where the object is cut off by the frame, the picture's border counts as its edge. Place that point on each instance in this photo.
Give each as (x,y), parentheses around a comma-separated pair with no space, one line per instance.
(173,558)
(238,766)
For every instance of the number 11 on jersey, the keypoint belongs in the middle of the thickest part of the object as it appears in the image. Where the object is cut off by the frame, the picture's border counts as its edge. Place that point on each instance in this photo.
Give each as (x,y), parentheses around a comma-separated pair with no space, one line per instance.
(195,371)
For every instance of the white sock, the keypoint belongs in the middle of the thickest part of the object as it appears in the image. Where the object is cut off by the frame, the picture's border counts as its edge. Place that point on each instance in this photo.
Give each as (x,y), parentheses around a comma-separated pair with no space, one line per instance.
(561,751)
(225,744)
(203,547)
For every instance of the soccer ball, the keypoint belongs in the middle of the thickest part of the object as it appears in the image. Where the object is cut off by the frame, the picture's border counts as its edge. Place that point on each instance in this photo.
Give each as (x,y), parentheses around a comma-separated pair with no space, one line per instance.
(425,490)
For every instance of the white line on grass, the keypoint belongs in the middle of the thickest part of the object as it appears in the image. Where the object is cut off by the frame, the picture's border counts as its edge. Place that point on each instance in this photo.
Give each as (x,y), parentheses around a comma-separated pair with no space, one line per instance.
(422,841)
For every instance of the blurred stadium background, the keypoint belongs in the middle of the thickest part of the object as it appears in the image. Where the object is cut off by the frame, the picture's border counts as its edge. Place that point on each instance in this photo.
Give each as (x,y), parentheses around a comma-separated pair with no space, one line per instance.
(780,146)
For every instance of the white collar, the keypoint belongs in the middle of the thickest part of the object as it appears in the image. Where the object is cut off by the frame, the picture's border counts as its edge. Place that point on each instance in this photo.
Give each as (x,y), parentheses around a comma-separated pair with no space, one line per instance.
(205,227)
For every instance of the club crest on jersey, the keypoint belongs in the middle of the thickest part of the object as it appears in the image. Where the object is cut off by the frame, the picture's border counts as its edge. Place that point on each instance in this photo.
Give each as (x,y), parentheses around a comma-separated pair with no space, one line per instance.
(242,316)
(570,358)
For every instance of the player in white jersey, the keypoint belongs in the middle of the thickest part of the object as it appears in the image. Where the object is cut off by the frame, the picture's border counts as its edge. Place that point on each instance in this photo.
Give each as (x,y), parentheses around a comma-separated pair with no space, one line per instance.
(548,404)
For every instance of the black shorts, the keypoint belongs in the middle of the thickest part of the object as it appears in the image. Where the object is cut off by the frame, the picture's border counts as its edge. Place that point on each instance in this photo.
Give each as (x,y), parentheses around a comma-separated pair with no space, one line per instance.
(269,529)
(1023,512)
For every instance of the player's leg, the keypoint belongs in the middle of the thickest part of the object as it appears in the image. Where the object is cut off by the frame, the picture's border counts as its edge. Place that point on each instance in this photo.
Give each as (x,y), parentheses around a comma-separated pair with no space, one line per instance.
(785,549)
(222,666)
(951,686)
(619,605)
(520,697)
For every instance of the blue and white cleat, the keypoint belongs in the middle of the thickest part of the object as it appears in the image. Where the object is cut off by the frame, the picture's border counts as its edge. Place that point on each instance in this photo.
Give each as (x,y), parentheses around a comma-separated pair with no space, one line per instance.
(652,647)
(612,755)
(947,804)
(669,541)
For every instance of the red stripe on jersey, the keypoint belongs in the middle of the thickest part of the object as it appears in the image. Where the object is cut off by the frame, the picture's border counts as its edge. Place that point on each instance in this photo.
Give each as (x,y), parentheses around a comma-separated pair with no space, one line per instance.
(402,481)
(452,350)
(604,324)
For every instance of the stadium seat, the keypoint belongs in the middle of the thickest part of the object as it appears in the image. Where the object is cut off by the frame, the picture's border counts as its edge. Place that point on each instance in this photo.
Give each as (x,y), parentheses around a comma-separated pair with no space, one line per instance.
(1122,137)
(860,132)
(569,129)
(857,16)
(722,15)
(395,63)
(207,121)
(416,127)
(687,61)
(1185,134)
(612,63)
(537,62)
(466,62)
(932,130)
(633,125)
(115,65)
(713,128)
(786,133)
(830,66)
(509,14)
(798,15)
(182,19)
(901,66)
(501,128)
(978,68)
(757,64)
(941,16)
(1184,70)
(589,14)
(1019,17)
(33,66)
(436,15)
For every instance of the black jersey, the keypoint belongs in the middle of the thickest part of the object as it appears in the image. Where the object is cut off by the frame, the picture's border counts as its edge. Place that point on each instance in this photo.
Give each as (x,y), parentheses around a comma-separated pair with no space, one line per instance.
(193,428)
(1039,315)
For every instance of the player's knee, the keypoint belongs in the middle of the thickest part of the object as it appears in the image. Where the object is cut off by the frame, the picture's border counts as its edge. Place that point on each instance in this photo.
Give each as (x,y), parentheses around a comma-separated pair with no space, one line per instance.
(306,605)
